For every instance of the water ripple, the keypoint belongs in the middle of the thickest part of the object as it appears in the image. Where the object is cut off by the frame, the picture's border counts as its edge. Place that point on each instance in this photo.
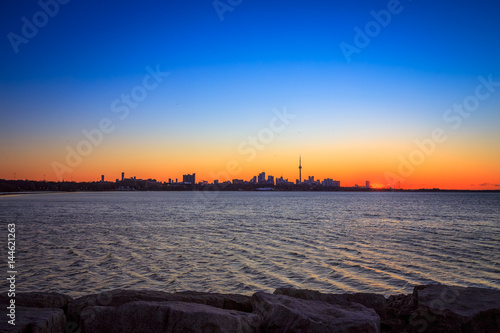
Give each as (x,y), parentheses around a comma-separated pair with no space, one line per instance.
(80,243)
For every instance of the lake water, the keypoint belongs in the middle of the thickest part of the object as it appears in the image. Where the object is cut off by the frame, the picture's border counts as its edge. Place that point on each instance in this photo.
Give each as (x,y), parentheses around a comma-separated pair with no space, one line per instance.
(243,242)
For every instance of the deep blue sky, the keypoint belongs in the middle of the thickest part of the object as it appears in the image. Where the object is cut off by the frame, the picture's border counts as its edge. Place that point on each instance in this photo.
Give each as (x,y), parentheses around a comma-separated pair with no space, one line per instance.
(90,39)
(263,55)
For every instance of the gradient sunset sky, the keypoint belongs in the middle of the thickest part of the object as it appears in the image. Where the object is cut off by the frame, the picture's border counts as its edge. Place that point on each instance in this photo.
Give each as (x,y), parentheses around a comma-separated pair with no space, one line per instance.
(368,114)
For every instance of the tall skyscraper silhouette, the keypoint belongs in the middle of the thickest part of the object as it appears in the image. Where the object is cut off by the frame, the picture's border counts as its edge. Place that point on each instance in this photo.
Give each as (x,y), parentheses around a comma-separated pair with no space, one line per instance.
(300,169)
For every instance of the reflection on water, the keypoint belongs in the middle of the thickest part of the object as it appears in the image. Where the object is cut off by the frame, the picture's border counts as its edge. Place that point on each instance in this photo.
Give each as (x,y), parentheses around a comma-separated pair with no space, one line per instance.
(242,242)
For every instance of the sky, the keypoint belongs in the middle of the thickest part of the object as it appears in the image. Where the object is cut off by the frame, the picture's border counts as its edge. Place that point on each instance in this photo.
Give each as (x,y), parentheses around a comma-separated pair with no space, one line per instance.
(400,93)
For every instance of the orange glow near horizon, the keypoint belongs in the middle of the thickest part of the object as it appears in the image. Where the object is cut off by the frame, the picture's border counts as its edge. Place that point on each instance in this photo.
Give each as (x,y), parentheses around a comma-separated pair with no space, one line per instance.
(358,164)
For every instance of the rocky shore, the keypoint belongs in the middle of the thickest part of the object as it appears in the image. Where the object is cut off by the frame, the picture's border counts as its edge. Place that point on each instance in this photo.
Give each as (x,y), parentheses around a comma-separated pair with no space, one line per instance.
(430,308)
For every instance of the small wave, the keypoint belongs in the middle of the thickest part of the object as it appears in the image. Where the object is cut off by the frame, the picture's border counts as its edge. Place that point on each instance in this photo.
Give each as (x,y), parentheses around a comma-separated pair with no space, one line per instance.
(78,263)
(234,246)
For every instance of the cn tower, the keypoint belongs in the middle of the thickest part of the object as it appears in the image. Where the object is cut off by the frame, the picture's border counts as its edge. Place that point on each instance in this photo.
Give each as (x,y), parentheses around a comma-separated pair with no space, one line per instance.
(300,169)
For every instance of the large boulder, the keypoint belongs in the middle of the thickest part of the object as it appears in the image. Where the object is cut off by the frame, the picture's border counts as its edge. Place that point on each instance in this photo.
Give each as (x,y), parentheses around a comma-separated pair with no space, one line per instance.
(167,317)
(282,313)
(119,297)
(374,301)
(36,320)
(441,308)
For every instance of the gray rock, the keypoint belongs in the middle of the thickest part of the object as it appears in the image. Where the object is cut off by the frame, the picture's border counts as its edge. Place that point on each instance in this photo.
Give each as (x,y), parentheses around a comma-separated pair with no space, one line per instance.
(282,313)
(36,320)
(432,308)
(223,301)
(192,317)
(374,301)
(399,309)
(442,308)
(118,297)
(99,319)
(167,317)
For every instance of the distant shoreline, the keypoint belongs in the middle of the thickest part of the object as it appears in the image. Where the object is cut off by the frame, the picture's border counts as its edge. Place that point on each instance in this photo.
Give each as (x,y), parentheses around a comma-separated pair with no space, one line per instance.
(13,193)
(33,186)
(8,194)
